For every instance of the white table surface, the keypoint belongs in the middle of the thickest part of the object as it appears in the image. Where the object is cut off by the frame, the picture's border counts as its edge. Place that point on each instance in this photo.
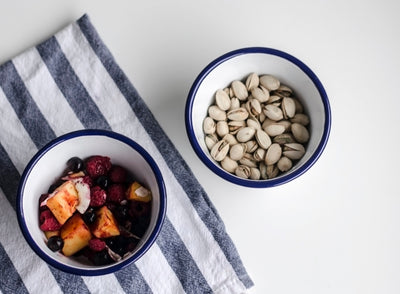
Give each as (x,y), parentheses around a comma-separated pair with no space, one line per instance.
(336,229)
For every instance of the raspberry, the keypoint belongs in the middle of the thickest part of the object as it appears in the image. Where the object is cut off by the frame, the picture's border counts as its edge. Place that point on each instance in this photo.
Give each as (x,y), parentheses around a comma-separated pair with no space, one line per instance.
(116,193)
(97,245)
(48,222)
(117,174)
(98,166)
(88,180)
(97,196)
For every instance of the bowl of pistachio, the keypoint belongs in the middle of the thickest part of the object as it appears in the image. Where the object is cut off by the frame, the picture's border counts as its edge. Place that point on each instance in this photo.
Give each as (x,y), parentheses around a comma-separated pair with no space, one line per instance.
(258,117)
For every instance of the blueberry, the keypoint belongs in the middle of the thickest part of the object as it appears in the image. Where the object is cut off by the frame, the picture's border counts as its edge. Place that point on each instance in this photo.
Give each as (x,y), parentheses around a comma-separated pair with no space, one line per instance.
(121,212)
(118,244)
(55,185)
(75,164)
(55,243)
(103,182)
(102,258)
(89,216)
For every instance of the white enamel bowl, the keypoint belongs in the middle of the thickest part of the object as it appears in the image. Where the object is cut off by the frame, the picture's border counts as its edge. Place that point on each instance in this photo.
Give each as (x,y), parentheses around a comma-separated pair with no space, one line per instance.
(237,65)
(48,164)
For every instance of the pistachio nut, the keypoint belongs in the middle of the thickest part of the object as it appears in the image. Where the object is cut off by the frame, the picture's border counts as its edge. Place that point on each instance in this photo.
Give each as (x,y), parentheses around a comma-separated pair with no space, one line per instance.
(301,118)
(209,126)
(255,173)
(222,100)
(245,134)
(237,151)
(239,90)
(243,171)
(284,164)
(235,103)
(272,171)
(235,125)
(293,151)
(283,139)
(273,112)
(262,138)
(222,128)
(216,113)
(260,93)
(253,123)
(229,164)
(231,139)
(288,107)
(220,150)
(238,114)
(270,82)
(210,140)
(252,81)
(274,152)
(274,129)
(300,133)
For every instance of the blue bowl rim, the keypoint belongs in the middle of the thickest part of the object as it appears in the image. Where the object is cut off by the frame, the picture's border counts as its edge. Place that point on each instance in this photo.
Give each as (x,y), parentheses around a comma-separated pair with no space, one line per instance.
(247,182)
(113,267)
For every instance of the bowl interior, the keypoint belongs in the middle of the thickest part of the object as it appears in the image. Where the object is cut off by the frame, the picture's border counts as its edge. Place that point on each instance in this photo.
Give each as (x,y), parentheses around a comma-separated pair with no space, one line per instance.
(50,165)
(237,67)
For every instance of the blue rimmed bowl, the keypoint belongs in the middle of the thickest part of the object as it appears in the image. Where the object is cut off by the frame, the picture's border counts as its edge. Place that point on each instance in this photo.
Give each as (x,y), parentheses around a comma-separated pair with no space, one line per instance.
(237,65)
(49,163)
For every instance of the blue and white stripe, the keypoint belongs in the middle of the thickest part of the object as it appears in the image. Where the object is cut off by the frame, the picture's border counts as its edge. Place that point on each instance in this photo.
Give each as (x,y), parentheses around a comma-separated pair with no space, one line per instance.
(70,82)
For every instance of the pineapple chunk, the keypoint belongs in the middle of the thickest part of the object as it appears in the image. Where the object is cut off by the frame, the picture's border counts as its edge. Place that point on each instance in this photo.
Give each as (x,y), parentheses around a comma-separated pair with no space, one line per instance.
(105,225)
(76,235)
(137,192)
(63,201)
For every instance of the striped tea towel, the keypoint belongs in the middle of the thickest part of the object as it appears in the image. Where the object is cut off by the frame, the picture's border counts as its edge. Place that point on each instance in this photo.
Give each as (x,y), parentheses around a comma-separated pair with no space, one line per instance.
(69,82)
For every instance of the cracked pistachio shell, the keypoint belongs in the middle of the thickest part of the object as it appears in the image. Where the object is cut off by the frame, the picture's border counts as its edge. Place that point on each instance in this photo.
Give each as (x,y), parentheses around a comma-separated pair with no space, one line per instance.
(252,122)
(229,164)
(209,126)
(272,171)
(222,128)
(253,107)
(273,112)
(301,118)
(274,152)
(210,140)
(260,93)
(231,139)
(283,91)
(248,160)
(283,139)
(222,100)
(270,82)
(235,125)
(235,103)
(293,151)
(237,151)
(239,90)
(216,113)
(255,173)
(300,133)
(284,164)
(219,150)
(240,113)
(251,146)
(274,99)
(252,81)
(245,134)
(263,171)
(242,171)
(259,154)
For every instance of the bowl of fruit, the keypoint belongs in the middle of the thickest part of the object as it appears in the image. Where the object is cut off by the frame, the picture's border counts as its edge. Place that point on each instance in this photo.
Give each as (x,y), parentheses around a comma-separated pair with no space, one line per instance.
(91,202)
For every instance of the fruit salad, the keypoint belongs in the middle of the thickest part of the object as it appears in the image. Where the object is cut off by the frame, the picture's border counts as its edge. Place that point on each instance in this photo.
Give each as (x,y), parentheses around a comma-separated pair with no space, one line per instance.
(96,209)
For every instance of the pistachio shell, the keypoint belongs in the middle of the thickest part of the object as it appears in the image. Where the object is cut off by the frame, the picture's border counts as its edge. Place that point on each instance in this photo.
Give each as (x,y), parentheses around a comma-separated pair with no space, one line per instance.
(300,133)
(210,140)
(231,139)
(274,152)
(293,151)
(284,164)
(263,140)
(255,173)
(243,171)
(238,114)
(299,106)
(273,112)
(274,129)
(222,128)
(245,134)
(253,123)
(260,93)
(235,125)
(251,146)
(252,81)
(220,150)
(222,100)
(283,91)
(237,151)
(259,154)
(272,171)
(253,107)
(263,171)
(288,107)
(229,164)
(270,82)
(216,113)
(283,139)
(235,103)
(239,90)
(301,118)
(209,126)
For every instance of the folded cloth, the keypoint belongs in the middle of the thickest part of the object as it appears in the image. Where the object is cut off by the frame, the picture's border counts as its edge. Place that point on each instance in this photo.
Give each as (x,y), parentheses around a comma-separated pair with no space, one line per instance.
(69,82)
